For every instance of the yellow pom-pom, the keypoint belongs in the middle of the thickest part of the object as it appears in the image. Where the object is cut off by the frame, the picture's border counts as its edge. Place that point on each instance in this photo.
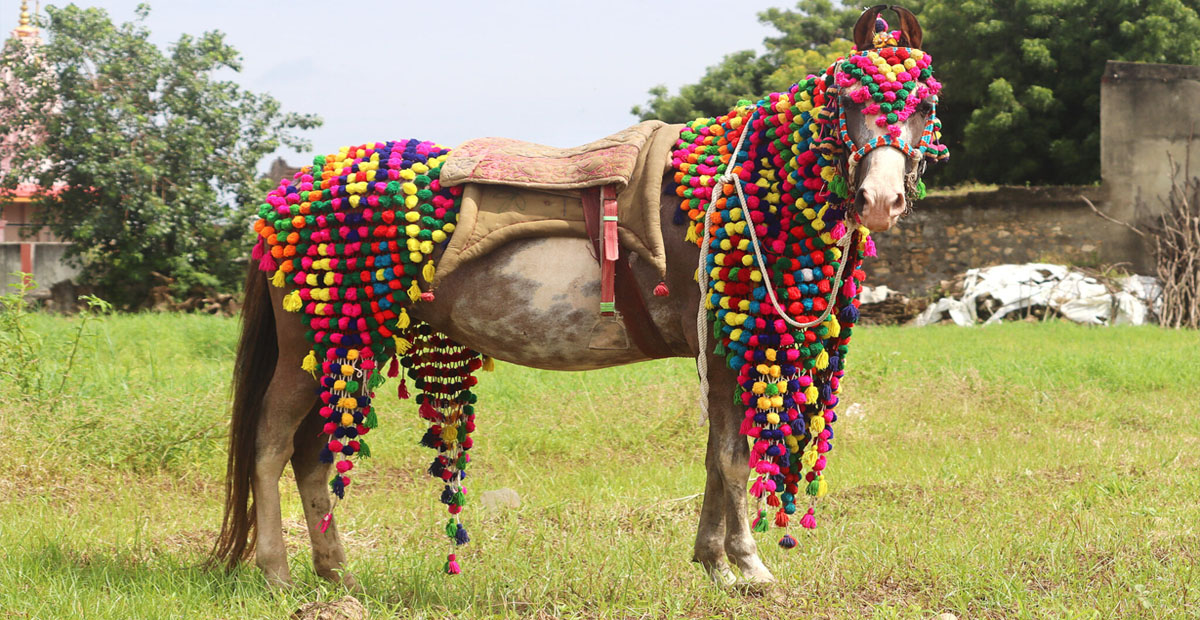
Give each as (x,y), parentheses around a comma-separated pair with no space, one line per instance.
(823,360)
(309,363)
(347,419)
(811,394)
(449,434)
(352,354)
(403,321)
(822,487)
(347,370)
(277,279)
(809,458)
(291,302)
(339,385)
(488,363)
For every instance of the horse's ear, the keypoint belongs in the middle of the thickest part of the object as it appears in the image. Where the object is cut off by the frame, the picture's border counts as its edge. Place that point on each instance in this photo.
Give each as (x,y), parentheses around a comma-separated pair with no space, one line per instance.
(909,26)
(864,29)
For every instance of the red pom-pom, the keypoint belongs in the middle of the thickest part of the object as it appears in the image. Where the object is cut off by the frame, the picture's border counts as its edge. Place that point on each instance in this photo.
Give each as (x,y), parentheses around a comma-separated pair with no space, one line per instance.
(427,296)
(661,290)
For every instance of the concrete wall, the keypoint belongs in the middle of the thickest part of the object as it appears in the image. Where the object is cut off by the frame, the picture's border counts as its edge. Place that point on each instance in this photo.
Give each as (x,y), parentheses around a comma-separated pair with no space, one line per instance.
(945,236)
(1146,111)
(48,265)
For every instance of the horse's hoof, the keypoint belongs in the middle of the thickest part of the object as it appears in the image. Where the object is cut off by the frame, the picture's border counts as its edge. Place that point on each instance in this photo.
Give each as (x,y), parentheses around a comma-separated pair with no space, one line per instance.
(755,586)
(721,575)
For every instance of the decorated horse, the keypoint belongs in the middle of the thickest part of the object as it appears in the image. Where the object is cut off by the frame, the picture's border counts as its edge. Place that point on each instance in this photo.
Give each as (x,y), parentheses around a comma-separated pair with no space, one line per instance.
(410,257)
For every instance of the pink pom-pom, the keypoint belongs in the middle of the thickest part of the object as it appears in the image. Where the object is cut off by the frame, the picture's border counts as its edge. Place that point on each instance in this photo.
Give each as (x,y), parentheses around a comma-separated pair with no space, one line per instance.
(325,520)
(808,521)
(427,296)
(344,466)
(870,249)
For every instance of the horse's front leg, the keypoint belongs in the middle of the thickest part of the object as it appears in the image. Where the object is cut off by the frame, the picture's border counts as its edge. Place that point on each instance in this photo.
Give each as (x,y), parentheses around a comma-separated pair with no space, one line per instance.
(710,534)
(728,460)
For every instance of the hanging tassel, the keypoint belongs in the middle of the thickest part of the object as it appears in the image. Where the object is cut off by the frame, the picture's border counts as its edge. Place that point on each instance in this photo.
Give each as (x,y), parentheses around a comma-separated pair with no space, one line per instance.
(326,455)
(325,521)
(808,521)
(427,296)
(372,420)
(338,486)
(488,364)
(760,523)
(310,363)
(414,291)
(460,536)
(773,500)
(661,290)
(364,450)
(266,263)
(403,321)
(814,487)
(394,368)
(870,251)
(291,302)
(452,567)
(448,498)
(787,542)
(260,248)
(277,279)
(781,519)
(402,391)
(427,272)
(402,345)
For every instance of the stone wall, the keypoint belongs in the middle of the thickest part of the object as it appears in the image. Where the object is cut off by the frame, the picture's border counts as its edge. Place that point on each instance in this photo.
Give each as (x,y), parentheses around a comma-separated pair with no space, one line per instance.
(946,235)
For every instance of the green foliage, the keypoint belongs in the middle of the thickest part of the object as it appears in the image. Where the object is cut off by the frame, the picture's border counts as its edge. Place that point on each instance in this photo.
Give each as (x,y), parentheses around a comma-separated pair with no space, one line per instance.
(146,150)
(1022,97)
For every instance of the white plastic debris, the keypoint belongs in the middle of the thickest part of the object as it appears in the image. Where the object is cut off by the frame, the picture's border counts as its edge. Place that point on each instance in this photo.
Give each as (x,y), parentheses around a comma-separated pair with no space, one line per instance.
(874,294)
(1001,290)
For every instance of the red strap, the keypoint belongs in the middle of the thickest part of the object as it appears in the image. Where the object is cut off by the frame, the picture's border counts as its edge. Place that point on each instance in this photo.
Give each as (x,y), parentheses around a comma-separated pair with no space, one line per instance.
(632,306)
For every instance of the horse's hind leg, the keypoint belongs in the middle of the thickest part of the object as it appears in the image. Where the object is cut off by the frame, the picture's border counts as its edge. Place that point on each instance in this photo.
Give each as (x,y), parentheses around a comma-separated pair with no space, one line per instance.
(288,399)
(311,478)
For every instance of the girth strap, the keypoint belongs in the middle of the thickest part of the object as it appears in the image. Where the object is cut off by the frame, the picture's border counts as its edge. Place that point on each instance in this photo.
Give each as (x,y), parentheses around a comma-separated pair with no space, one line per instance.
(619,292)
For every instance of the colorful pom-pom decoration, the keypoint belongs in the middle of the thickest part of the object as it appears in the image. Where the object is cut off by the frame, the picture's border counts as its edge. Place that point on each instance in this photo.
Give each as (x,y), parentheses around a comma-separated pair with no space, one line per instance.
(786,250)
(354,236)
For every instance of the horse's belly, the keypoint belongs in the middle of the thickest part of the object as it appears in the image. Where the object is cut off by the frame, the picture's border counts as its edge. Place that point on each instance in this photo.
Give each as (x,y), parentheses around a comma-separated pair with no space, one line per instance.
(533,302)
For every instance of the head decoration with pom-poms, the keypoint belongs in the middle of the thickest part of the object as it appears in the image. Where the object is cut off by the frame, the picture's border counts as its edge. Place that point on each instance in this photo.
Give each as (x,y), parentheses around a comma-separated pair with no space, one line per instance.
(767,185)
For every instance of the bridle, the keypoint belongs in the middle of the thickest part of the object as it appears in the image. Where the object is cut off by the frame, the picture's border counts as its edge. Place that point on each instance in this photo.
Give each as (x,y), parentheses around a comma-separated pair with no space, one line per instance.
(924,151)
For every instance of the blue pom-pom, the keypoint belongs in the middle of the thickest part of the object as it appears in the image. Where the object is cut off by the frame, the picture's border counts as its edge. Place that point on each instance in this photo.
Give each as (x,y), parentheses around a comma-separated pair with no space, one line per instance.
(460,536)
(338,487)
(787,542)
(447,496)
(849,314)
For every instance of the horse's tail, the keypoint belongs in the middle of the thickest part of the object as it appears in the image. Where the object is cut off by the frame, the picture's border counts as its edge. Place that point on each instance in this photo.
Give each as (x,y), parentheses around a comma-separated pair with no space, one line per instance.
(256,357)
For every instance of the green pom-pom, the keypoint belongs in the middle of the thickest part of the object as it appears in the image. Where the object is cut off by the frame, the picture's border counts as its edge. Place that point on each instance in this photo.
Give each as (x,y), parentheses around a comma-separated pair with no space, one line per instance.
(813,487)
(451,528)
(838,186)
(920,189)
(762,522)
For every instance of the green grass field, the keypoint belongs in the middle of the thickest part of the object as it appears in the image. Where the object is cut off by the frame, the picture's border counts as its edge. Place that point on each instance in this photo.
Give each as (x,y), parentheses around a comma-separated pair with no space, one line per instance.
(1023,470)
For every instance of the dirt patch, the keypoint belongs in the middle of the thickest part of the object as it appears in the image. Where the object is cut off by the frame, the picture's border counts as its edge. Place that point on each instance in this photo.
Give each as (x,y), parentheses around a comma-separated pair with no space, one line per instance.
(348,608)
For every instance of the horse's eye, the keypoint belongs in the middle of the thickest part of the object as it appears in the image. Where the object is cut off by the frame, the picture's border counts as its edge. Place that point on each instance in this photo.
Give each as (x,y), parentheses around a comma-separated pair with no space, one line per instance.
(925,108)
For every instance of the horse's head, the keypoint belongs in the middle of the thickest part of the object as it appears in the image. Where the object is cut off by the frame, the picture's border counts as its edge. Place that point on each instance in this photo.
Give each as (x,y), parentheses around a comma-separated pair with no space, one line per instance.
(887,116)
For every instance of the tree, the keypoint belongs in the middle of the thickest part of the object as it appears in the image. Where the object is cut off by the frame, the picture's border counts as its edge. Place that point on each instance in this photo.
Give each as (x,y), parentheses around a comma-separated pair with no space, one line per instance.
(1022,96)
(140,152)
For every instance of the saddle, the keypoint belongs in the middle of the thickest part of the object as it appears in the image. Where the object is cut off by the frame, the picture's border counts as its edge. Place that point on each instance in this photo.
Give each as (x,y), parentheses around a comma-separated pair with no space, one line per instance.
(516,190)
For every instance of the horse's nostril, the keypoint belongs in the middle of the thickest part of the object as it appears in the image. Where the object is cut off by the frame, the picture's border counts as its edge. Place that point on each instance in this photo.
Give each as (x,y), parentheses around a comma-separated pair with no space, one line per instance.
(860,200)
(898,203)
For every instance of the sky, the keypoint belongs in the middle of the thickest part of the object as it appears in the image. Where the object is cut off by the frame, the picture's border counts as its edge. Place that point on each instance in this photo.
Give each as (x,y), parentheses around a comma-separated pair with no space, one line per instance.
(558,73)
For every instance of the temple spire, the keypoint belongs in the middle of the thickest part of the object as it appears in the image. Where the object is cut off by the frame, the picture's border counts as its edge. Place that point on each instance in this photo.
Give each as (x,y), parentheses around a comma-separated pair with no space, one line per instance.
(25,27)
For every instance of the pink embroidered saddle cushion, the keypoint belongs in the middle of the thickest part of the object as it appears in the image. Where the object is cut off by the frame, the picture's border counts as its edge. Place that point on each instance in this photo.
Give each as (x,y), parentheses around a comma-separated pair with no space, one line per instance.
(503,161)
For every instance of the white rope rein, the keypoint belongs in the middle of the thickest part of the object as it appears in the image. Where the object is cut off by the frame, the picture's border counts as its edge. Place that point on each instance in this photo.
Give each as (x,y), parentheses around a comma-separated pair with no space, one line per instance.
(702,313)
